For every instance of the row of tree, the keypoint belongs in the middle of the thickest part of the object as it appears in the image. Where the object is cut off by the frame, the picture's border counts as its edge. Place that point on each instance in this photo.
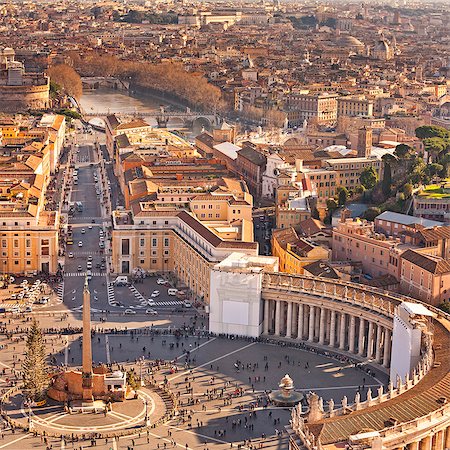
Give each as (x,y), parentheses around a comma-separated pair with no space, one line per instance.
(166,77)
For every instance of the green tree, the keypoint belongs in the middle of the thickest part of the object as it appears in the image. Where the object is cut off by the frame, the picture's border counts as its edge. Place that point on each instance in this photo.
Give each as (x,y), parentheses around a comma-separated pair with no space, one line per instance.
(434,146)
(434,169)
(371,213)
(34,367)
(387,180)
(431,131)
(402,151)
(342,196)
(408,189)
(369,177)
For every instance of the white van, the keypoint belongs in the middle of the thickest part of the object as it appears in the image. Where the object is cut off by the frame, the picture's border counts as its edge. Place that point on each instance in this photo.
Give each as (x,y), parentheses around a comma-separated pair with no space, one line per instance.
(121,280)
(172,291)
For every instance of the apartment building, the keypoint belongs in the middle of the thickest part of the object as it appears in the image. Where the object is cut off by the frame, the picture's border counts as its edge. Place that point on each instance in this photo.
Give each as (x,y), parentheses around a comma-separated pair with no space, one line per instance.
(174,241)
(395,224)
(295,252)
(425,277)
(28,233)
(354,106)
(322,107)
(356,240)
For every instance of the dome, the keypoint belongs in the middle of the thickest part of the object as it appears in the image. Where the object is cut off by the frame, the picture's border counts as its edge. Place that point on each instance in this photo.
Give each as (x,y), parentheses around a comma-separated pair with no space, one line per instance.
(350,42)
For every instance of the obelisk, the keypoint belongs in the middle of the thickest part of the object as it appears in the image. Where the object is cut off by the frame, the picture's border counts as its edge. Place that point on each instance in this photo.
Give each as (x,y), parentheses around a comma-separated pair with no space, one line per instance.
(87,346)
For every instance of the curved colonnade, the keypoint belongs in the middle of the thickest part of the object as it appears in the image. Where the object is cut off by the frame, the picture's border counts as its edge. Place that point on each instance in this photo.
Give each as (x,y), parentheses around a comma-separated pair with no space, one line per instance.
(358,321)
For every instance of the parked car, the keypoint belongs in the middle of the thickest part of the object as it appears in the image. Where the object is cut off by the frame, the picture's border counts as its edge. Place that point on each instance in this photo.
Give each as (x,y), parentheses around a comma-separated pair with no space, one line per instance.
(151,312)
(130,312)
(160,281)
(187,304)
(172,291)
(155,294)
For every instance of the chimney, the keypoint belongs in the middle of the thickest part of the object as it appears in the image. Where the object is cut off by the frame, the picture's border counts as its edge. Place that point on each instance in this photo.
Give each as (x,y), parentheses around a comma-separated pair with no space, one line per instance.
(364,146)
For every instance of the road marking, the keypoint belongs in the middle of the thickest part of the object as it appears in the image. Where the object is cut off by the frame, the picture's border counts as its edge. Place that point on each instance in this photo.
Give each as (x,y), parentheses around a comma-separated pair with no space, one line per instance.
(13,442)
(207,438)
(196,348)
(212,361)
(66,352)
(108,353)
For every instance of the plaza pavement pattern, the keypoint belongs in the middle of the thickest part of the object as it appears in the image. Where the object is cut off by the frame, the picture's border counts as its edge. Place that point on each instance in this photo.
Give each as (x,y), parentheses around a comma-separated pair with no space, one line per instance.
(205,365)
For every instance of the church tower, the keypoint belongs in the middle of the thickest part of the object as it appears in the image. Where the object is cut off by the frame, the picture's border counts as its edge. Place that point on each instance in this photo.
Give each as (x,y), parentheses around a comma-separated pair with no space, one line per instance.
(364,146)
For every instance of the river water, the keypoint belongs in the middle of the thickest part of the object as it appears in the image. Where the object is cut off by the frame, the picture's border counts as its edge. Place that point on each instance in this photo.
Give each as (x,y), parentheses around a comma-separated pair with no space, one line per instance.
(105,100)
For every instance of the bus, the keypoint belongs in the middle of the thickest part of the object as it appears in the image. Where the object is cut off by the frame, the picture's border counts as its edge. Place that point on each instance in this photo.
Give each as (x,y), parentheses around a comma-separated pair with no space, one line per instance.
(79,206)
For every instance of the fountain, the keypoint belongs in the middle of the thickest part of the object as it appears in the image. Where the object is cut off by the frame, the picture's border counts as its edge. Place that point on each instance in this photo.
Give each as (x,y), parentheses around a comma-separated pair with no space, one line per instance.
(286,395)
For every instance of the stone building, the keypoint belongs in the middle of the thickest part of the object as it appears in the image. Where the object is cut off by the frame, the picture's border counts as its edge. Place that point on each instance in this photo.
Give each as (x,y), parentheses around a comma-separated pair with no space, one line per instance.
(18,89)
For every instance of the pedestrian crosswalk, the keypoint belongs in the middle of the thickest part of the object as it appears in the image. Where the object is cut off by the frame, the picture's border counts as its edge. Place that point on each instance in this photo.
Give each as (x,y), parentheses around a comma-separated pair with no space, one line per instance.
(86,253)
(169,303)
(83,274)
(111,295)
(60,291)
(137,294)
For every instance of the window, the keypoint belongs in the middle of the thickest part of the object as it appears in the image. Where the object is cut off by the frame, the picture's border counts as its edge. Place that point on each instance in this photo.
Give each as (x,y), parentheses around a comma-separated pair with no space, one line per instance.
(28,263)
(141,242)
(166,242)
(16,243)
(154,242)
(142,261)
(125,246)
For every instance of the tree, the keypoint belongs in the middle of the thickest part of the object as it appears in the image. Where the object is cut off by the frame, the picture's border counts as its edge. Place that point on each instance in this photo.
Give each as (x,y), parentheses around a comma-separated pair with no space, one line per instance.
(369,177)
(402,151)
(431,131)
(434,146)
(342,196)
(371,213)
(67,78)
(387,180)
(434,169)
(34,366)
(408,190)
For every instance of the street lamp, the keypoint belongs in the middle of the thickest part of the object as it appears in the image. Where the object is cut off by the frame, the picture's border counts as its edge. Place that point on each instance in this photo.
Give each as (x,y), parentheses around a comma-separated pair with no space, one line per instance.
(141,361)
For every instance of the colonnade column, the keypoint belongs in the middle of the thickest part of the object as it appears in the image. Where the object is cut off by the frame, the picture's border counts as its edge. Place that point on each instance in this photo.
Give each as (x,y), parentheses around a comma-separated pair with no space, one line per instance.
(438,443)
(342,332)
(300,322)
(332,328)
(289,320)
(447,438)
(266,317)
(322,325)
(387,347)
(311,324)
(370,341)
(413,446)
(351,343)
(425,443)
(378,344)
(362,330)
(277,317)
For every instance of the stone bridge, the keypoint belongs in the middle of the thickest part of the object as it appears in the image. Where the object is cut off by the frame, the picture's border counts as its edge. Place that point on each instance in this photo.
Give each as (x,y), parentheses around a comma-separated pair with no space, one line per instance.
(91,83)
(185,119)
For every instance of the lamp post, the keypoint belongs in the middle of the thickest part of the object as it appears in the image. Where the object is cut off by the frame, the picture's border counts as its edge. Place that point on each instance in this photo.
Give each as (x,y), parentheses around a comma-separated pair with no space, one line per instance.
(141,361)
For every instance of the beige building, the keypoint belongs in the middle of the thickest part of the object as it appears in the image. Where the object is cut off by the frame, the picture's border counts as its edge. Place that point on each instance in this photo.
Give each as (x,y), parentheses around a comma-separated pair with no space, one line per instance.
(354,106)
(176,241)
(294,252)
(321,107)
